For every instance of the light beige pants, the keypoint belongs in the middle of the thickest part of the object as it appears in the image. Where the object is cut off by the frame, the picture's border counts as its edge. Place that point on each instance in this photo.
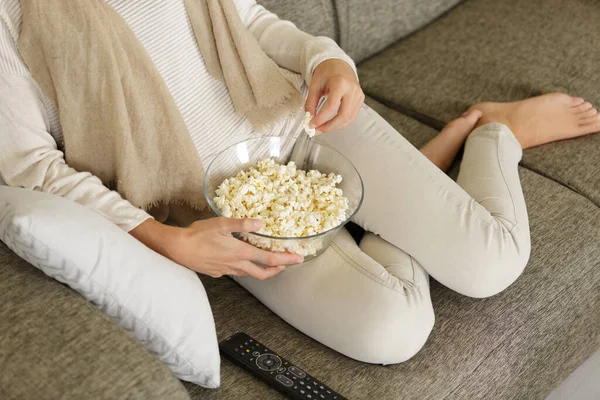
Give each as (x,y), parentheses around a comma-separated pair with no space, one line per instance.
(371,301)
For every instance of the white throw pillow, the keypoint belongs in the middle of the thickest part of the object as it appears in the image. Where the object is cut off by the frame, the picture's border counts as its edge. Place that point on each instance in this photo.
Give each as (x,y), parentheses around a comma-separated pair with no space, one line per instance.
(161,303)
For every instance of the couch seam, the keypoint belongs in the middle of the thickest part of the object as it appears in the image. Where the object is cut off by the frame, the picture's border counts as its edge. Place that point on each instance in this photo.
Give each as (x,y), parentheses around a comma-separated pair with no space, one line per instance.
(558,181)
(336,19)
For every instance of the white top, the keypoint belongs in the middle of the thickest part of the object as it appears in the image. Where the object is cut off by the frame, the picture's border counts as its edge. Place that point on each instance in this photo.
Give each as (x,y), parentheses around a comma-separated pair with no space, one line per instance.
(30,131)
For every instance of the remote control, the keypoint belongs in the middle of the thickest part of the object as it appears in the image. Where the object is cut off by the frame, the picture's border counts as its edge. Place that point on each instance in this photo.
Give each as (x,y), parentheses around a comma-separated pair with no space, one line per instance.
(276,371)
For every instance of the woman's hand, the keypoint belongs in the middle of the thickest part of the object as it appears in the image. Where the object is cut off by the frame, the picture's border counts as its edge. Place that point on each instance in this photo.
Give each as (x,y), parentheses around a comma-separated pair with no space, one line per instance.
(208,247)
(335,79)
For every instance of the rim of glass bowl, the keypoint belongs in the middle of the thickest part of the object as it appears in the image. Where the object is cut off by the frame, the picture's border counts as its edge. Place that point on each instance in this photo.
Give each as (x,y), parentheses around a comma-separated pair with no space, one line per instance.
(216,209)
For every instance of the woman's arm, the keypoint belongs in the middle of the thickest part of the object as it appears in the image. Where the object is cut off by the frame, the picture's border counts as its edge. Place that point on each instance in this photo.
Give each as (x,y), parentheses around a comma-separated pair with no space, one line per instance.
(326,68)
(29,157)
(287,45)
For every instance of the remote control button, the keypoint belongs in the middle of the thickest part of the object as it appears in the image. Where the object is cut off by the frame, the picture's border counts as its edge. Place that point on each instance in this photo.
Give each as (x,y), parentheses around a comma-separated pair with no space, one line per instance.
(322,396)
(250,340)
(295,387)
(321,387)
(255,353)
(314,383)
(297,371)
(268,362)
(302,383)
(302,392)
(309,387)
(252,359)
(284,380)
(315,391)
(281,370)
(308,396)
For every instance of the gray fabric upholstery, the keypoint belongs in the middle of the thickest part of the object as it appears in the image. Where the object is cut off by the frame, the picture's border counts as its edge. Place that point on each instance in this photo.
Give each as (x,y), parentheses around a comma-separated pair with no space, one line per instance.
(486,50)
(517,345)
(54,345)
(504,347)
(316,17)
(367,27)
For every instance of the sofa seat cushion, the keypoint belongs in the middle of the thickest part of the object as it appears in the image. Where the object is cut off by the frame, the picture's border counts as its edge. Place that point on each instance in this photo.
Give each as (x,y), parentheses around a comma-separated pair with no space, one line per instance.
(55,345)
(502,347)
(509,50)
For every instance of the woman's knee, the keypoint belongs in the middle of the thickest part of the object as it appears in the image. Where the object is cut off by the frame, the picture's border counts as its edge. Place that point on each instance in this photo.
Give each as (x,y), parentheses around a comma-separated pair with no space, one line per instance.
(492,275)
(392,342)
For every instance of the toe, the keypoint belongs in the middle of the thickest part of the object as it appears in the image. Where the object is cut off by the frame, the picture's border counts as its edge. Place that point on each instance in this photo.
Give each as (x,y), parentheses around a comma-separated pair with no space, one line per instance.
(466,122)
(577,101)
(473,116)
(594,120)
(592,126)
(585,106)
(592,112)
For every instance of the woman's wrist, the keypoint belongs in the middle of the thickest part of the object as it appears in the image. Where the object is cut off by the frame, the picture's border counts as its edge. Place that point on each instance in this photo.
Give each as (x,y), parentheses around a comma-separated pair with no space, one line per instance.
(157,236)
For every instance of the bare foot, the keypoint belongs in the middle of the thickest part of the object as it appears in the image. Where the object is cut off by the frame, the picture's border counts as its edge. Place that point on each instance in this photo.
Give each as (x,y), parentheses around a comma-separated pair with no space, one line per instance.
(442,149)
(543,119)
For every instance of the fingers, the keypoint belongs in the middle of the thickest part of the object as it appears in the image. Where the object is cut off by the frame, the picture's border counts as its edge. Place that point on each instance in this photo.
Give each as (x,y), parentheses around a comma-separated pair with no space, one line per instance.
(269,258)
(329,109)
(346,114)
(237,272)
(253,270)
(315,92)
(228,225)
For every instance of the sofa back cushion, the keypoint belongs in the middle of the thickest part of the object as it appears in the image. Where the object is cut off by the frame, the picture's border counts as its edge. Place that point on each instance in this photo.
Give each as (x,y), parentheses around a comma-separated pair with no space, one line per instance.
(316,17)
(367,27)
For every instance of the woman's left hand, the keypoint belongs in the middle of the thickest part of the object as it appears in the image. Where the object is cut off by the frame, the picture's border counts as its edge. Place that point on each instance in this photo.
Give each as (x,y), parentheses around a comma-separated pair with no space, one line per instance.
(335,79)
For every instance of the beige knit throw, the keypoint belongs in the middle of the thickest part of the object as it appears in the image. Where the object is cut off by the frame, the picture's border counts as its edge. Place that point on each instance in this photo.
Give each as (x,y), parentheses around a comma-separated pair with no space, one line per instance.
(118,118)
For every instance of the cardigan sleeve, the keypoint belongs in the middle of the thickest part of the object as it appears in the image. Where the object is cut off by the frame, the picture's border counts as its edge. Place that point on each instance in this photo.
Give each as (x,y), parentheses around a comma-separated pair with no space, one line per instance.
(29,154)
(287,45)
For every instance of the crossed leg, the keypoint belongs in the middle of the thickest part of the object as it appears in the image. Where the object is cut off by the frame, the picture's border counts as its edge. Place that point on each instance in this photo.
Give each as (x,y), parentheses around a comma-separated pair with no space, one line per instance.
(371,301)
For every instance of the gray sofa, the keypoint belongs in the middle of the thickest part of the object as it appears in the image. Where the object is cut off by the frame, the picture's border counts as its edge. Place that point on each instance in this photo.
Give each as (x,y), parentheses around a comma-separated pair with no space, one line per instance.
(421,63)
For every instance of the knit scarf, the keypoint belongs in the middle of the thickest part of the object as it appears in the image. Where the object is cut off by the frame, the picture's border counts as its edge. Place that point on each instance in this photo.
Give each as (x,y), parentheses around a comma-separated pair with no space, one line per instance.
(118,117)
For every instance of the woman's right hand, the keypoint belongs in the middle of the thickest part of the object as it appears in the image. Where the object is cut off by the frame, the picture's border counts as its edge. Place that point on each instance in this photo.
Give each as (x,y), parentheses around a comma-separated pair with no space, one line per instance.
(208,247)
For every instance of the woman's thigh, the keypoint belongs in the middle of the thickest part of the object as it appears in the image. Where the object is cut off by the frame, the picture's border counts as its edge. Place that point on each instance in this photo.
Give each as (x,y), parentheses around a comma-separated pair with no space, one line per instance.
(349,301)
(474,242)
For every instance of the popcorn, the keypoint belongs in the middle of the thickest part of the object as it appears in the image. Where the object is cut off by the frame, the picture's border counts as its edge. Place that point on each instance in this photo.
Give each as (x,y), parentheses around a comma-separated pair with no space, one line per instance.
(307,118)
(290,202)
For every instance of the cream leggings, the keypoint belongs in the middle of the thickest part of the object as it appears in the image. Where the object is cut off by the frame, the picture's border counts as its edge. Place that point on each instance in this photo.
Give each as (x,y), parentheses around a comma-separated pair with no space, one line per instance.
(371,301)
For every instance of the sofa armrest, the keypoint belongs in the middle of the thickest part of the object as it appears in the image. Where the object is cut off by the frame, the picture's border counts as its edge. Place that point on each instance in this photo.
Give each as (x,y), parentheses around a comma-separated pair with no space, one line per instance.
(53,344)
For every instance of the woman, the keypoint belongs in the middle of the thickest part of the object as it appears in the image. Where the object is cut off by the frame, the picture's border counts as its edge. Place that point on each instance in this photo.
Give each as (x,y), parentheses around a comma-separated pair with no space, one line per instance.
(368,301)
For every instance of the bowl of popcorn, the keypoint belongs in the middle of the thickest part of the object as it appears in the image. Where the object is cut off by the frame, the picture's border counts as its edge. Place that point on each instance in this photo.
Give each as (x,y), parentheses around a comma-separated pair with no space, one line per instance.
(304,192)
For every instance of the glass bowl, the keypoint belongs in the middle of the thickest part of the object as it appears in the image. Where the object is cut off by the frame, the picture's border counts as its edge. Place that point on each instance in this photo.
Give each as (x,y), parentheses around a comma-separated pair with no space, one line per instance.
(307,155)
